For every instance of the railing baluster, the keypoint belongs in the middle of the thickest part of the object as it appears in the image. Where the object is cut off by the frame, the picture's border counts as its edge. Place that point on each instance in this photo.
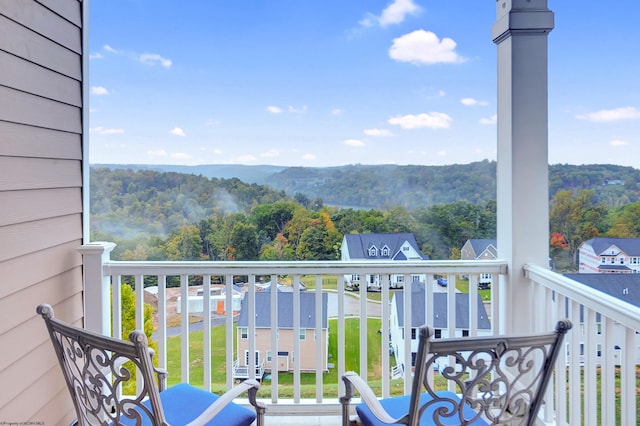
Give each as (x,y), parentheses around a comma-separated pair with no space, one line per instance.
(274,338)
(206,330)
(184,329)
(162,321)
(296,339)
(229,335)
(385,338)
(317,333)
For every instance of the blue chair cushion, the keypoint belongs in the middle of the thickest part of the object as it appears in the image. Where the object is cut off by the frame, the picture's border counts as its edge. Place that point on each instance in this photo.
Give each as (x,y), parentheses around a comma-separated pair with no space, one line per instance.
(398,406)
(182,403)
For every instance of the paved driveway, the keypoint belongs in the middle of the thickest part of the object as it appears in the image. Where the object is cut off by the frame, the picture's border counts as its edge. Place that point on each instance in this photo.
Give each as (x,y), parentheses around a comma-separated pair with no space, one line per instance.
(351,306)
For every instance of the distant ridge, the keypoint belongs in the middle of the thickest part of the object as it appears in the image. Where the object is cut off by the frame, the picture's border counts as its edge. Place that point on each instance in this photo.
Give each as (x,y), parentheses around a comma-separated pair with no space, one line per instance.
(249,174)
(411,186)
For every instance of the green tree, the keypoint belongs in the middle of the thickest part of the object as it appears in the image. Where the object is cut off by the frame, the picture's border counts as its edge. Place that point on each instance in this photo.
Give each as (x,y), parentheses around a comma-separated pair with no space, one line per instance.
(625,221)
(184,244)
(578,218)
(244,241)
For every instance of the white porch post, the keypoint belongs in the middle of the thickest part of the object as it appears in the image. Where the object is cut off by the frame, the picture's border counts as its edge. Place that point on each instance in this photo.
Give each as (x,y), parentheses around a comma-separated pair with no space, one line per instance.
(97,304)
(520,33)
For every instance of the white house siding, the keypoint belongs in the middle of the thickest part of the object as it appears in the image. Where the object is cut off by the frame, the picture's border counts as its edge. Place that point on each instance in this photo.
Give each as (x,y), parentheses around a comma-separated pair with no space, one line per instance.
(41,181)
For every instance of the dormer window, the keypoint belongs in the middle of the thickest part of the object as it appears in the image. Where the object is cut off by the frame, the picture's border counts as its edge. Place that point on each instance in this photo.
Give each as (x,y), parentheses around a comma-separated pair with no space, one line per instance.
(385,251)
(373,251)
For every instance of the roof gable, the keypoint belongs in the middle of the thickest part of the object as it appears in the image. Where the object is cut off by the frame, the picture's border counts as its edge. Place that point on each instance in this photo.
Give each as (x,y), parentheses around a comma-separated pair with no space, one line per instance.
(611,246)
(359,245)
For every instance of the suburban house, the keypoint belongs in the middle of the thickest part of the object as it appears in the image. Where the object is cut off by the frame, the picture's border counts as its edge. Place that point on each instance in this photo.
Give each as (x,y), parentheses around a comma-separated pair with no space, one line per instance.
(609,256)
(438,319)
(625,288)
(284,355)
(480,249)
(376,247)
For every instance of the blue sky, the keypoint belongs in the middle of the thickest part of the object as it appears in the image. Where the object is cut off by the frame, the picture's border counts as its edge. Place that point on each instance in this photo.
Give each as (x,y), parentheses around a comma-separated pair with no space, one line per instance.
(334,82)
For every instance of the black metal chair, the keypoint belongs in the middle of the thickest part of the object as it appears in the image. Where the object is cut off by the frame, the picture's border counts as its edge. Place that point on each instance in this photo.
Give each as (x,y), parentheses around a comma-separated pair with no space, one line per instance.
(496,380)
(96,367)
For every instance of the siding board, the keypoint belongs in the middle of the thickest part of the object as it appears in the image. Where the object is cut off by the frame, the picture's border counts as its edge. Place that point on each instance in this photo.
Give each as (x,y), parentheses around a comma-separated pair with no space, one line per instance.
(39,173)
(18,140)
(22,239)
(20,41)
(52,291)
(21,107)
(28,206)
(43,21)
(54,261)
(69,10)
(32,333)
(27,77)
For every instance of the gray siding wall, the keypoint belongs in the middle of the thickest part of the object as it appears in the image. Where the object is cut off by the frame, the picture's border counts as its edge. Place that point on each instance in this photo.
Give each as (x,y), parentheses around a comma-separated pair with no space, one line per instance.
(41,158)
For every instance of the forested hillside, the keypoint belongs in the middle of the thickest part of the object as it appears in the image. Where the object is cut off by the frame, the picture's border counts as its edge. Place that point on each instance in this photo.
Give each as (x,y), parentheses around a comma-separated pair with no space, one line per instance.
(385,186)
(155,215)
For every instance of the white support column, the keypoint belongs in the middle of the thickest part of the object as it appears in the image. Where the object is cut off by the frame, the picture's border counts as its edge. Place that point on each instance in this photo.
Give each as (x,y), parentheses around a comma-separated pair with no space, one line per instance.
(97,301)
(520,33)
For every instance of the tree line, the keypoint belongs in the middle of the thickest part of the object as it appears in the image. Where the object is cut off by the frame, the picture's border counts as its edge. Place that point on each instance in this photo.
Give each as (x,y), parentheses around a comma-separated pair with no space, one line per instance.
(175,216)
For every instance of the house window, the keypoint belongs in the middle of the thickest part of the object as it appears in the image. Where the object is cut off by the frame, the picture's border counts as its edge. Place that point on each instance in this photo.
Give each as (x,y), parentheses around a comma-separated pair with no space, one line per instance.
(246,357)
(413,334)
(405,248)
(603,260)
(599,350)
(400,278)
(244,333)
(373,251)
(413,359)
(465,333)
(268,356)
(355,277)
(385,251)
(415,278)
(599,327)
(303,334)
(438,333)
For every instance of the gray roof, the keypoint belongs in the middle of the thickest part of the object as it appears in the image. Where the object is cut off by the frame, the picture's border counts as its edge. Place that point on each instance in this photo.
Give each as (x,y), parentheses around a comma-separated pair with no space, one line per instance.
(439,317)
(285,310)
(358,245)
(479,245)
(610,267)
(631,246)
(625,287)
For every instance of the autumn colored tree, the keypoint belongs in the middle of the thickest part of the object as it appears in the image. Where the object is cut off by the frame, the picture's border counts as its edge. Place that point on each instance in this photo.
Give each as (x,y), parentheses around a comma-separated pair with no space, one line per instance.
(577,217)
(625,222)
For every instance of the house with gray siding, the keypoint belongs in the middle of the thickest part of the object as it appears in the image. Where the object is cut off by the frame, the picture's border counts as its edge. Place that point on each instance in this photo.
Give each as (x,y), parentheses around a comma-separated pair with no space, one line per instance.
(43,173)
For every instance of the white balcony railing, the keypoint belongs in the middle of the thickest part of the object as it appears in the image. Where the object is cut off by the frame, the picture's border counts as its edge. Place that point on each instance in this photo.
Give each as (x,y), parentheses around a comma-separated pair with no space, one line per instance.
(601,324)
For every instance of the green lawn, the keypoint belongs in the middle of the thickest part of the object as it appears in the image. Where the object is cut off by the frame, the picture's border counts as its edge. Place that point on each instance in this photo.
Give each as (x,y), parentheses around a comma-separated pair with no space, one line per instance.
(285,380)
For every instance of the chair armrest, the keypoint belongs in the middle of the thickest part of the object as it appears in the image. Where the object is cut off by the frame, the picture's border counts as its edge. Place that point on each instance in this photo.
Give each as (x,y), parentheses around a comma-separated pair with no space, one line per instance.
(251,386)
(162,378)
(352,380)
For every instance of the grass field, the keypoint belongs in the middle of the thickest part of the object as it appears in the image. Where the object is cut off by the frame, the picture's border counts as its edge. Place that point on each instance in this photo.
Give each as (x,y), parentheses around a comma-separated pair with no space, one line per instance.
(285,380)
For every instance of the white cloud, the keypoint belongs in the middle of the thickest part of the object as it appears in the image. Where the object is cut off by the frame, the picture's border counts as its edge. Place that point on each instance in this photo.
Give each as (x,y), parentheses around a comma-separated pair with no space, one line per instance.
(180,156)
(336,111)
(157,153)
(424,47)
(212,122)
(109,49)
(377,132)
(354,143)
(248,158)
(433,120)
(99,90)
(441,153)
(309,157)
(177,131)
(489,120)
(272,153)
(153,59)
(624,113)
(472,102)
(294,110)
(274,109)
(96,56)
(396,12)
(104,131)
(618,142)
